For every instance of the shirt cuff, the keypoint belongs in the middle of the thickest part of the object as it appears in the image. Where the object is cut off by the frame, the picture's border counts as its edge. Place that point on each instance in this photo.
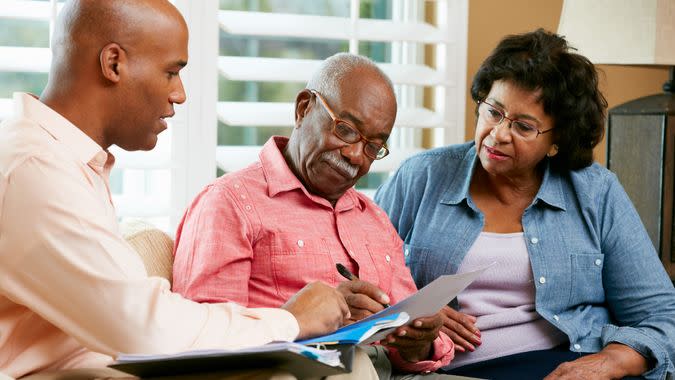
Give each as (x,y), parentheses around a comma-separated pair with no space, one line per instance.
(444,351)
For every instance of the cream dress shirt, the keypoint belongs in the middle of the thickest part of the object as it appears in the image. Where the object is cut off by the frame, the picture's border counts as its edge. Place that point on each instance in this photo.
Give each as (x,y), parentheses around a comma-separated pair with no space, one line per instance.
(73,293)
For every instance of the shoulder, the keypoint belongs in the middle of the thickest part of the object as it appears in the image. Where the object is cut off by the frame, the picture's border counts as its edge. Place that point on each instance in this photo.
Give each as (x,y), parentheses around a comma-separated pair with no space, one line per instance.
(435,164)
(594,179)
(22,140)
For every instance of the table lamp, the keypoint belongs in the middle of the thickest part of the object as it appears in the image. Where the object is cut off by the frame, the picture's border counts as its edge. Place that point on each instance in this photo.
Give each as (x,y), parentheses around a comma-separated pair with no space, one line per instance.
(641,132)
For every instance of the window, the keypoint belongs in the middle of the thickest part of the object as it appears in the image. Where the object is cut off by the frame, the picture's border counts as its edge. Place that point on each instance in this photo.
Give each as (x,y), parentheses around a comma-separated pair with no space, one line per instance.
(269,49)
(248,59)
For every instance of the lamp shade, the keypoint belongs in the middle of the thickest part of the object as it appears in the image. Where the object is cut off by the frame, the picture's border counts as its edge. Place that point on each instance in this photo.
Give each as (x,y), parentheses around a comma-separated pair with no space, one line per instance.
(631,32)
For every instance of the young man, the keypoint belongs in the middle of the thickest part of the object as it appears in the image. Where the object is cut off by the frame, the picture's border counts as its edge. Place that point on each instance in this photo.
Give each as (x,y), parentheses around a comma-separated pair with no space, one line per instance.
(72,292)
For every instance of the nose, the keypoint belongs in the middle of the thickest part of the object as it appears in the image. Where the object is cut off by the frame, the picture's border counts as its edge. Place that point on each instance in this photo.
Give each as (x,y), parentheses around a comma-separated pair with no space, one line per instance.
(354,153)
(178,94)
(502,134)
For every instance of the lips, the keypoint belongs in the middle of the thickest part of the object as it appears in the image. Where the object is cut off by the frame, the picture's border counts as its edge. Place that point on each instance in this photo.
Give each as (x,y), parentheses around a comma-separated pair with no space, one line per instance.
(494,154)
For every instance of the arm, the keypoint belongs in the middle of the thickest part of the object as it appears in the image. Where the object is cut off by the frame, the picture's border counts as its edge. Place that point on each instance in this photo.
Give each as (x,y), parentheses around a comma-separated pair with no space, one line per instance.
(63,259)
(213,252)
(638,293)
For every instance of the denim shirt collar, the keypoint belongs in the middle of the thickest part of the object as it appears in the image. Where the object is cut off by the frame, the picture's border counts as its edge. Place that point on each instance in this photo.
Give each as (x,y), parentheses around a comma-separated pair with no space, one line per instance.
(550,192)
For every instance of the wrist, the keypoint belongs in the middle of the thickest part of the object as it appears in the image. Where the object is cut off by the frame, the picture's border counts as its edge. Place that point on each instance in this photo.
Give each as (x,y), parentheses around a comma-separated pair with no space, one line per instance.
(621,360)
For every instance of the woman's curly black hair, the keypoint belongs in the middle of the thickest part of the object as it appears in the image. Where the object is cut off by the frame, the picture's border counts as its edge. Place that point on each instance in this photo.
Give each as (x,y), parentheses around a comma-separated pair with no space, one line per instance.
(542,60)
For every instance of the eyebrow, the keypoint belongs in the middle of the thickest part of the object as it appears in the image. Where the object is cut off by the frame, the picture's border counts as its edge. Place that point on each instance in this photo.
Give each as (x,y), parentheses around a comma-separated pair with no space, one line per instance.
(518,116)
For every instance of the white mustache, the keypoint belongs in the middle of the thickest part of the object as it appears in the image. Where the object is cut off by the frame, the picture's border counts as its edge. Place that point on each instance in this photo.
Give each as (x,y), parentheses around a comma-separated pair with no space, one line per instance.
(343,165)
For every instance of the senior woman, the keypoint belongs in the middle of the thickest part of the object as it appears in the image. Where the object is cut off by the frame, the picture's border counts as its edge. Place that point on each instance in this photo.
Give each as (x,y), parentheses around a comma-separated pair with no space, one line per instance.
(577,279)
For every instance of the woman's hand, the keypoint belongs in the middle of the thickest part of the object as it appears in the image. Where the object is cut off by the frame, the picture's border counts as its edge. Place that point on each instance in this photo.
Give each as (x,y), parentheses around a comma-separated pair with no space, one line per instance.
(461,329)
(614,362)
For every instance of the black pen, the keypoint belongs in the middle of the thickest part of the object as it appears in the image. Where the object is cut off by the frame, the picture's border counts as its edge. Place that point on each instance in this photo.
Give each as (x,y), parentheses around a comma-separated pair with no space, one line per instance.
(349,275)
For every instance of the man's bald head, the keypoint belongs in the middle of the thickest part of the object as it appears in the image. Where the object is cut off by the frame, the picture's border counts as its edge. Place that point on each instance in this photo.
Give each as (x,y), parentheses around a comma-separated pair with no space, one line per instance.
(85,26)
(335,70)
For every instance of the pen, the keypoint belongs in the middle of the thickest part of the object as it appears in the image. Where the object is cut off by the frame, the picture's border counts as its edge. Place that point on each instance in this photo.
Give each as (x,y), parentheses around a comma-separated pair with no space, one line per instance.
(349,275)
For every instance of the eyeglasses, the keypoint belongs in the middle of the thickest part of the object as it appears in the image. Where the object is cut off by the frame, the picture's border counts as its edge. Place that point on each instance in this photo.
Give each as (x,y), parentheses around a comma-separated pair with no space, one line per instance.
(349,134)
(494,116)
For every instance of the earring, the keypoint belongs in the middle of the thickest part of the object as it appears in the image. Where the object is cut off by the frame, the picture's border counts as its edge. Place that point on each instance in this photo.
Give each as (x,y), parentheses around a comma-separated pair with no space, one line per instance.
(555,151)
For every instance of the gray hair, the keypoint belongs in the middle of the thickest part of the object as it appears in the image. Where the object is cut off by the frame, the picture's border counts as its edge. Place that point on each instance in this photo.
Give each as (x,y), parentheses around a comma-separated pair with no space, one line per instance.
(330,74)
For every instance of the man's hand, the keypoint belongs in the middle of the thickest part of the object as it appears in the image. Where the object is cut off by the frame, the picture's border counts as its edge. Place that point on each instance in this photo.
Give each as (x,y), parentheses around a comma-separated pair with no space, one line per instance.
(461,329)
(318,308)
(364,299)
(414,342)
(614,362)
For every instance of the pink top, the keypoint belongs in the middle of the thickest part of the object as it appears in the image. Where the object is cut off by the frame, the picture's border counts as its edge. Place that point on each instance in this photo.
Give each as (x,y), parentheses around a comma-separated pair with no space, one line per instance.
(69,283)
(256,237)
(503,299)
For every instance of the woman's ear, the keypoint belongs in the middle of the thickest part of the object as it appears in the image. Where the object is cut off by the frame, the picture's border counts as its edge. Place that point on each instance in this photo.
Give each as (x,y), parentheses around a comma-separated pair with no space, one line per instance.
(112,60)
(552,151)
(302,106)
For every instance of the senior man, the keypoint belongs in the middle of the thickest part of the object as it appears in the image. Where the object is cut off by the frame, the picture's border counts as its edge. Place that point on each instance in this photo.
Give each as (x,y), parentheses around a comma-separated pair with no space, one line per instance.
(257,235)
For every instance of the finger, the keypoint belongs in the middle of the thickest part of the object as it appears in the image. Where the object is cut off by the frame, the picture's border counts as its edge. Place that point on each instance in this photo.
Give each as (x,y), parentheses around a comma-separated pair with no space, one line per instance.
(412,333)
(359,314)
(466,320)
(364,302)
(461,330)
(428,323)
(461,344)
(369,290)
(344,307)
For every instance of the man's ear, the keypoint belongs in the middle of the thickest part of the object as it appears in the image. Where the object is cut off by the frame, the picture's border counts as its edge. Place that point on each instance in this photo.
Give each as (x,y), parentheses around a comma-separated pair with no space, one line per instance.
(112,59)
(302,106)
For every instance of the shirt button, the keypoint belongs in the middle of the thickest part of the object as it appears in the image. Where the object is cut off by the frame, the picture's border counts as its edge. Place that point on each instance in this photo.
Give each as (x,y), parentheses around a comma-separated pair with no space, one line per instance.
(388,258)
(301,243)
(242,196)
(534,240)
(556,317)
(577,346)
(542,280)
(406,252)
(248,207)
(236,185)
(598,262)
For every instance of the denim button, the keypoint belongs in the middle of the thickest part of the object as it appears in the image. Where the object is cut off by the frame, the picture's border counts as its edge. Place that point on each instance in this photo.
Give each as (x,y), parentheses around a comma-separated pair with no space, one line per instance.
(556,317)
(534,240)
(542,280)
(598,262)
(577,346)
(406,252)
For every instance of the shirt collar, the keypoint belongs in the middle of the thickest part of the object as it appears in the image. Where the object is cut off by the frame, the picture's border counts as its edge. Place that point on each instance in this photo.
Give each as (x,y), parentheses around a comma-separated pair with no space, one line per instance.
(78,143)
(459,186)
(550,192)
(280,178)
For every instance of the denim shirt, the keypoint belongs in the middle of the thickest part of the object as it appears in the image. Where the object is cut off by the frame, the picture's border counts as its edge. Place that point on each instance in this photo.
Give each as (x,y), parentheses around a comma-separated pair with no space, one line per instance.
(596,273)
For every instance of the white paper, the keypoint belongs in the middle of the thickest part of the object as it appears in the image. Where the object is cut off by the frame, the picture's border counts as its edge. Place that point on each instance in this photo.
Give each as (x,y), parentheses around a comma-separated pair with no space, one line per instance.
(428,300)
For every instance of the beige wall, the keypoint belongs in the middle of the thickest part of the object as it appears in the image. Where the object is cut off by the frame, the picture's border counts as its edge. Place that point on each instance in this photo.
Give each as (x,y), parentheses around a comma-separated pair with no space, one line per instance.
(490,20)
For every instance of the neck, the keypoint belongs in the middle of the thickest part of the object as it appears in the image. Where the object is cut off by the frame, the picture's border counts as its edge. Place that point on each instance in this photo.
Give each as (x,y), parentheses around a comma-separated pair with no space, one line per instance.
(509,190)
(85,112)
